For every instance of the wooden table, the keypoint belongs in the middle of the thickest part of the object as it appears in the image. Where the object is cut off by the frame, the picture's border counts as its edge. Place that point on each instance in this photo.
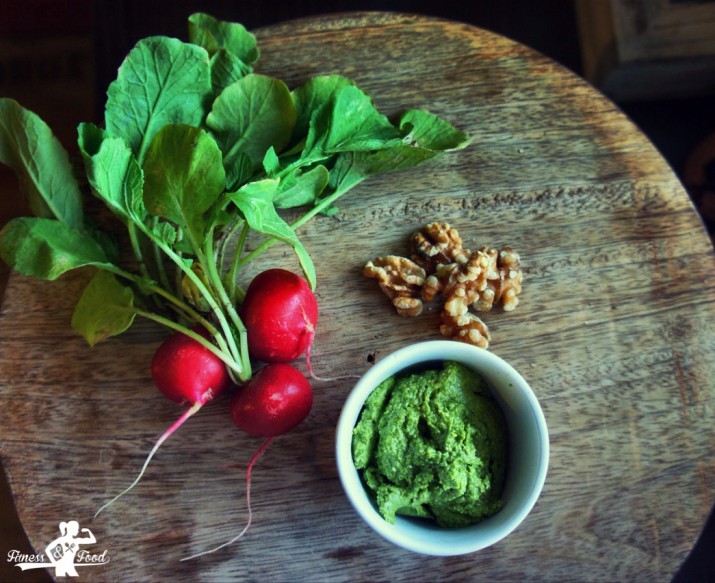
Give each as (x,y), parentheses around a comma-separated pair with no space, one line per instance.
(614,333)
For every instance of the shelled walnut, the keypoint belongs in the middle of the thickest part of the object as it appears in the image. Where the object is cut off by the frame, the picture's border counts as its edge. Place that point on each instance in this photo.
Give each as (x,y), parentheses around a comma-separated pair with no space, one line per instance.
(437,244)
(441,267)
(467,327)
(400,279)
(506,287)
(434,283)
(472,276)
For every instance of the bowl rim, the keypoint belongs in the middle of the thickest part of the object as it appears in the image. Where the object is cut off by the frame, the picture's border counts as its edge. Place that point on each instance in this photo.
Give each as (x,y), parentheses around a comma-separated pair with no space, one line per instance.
(400,359)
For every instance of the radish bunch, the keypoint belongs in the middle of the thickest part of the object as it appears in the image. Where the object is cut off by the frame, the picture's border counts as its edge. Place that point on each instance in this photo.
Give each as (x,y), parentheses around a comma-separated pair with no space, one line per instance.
(280,313)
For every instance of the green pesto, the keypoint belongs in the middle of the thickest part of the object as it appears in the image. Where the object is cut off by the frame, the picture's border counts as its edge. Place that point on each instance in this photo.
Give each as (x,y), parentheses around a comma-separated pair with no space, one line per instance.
(433,445)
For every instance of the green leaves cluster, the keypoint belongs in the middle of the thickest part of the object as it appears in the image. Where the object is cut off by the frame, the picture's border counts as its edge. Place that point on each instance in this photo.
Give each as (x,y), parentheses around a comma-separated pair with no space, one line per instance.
(196,151)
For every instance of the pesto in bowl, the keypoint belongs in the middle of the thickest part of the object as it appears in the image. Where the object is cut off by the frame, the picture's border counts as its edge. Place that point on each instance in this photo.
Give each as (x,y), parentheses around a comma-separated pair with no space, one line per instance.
(526,447)
(432,444)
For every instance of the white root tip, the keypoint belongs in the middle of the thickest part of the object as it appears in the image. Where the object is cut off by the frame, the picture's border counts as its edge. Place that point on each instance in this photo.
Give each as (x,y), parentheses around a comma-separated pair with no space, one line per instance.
(188,413)
(313,376)
(221,546)
(255,457)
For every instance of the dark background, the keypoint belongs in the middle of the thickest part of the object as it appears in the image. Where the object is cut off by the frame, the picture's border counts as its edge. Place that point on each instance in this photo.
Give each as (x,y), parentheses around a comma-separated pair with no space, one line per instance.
(58,57)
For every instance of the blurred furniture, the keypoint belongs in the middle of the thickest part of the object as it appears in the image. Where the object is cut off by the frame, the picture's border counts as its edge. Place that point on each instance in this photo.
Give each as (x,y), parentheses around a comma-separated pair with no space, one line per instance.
(648,49)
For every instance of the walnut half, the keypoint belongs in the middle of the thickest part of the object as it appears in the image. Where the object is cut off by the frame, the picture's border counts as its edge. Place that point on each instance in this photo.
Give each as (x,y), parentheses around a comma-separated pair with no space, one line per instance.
(437,244)
(466,327)
(400,279)
(506,287)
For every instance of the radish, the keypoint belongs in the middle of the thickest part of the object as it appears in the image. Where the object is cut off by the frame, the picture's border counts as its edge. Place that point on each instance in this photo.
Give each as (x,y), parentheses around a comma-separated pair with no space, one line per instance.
(274,402)
(185,372)
(280,313)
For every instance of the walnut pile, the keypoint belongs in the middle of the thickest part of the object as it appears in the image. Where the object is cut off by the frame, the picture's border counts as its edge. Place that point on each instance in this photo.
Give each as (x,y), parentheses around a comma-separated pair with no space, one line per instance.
(439,266)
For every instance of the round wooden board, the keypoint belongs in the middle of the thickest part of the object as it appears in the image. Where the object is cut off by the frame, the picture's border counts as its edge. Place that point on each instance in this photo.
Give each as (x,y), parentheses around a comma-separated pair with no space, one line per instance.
(614,333)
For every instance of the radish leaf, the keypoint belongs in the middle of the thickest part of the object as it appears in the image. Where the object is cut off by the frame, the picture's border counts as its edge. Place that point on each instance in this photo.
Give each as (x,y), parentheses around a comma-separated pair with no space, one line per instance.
(232,48)
(255,201)
(226,68)
(426,130)
(105,308)
(238,172)
(28,146)
(162,81)
(310,96)
(271,163)
(301,188)
(164,233)
(250,116)
(47,248)
(184,177)
(213,34)
(351,165)
(349,122)
(112,172)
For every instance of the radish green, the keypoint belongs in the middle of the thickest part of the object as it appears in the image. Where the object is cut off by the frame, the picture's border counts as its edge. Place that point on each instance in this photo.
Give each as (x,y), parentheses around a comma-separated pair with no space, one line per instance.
(196,151)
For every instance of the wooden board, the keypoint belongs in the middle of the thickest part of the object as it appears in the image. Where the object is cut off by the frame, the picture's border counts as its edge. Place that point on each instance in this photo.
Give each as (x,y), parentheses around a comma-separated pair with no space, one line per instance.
(614,333)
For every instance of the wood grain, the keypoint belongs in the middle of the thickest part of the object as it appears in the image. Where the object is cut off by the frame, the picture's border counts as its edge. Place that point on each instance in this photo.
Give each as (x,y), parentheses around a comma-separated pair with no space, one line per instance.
(614,333)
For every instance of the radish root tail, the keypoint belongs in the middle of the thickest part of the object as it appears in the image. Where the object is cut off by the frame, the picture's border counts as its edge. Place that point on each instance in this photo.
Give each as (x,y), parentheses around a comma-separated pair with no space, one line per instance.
(178,423)
(253,461)
(309,366)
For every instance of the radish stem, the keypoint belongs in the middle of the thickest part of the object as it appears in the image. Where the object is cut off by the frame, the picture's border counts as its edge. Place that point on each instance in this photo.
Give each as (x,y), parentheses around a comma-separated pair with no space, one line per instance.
(215,308)
(159,261)
(235,292)
(323,204)
(178,423)
(233,365)
(181,307)
(254,459)
(215,278)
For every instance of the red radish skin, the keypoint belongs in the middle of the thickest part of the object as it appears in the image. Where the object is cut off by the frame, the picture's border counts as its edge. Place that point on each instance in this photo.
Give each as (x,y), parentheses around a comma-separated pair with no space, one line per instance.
(274,402)
(280,313)
(185,372)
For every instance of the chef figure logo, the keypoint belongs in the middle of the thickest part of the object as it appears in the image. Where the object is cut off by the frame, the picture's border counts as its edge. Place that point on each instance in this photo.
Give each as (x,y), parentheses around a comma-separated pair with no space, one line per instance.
(62,551)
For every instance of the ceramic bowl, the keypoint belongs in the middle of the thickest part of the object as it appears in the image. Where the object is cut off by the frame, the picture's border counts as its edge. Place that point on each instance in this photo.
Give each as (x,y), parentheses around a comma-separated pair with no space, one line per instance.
(527,461)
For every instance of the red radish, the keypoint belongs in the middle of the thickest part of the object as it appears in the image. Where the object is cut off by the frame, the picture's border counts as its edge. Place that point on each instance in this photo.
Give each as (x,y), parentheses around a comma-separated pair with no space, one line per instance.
(280,313)
(185,372)
(274,402)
